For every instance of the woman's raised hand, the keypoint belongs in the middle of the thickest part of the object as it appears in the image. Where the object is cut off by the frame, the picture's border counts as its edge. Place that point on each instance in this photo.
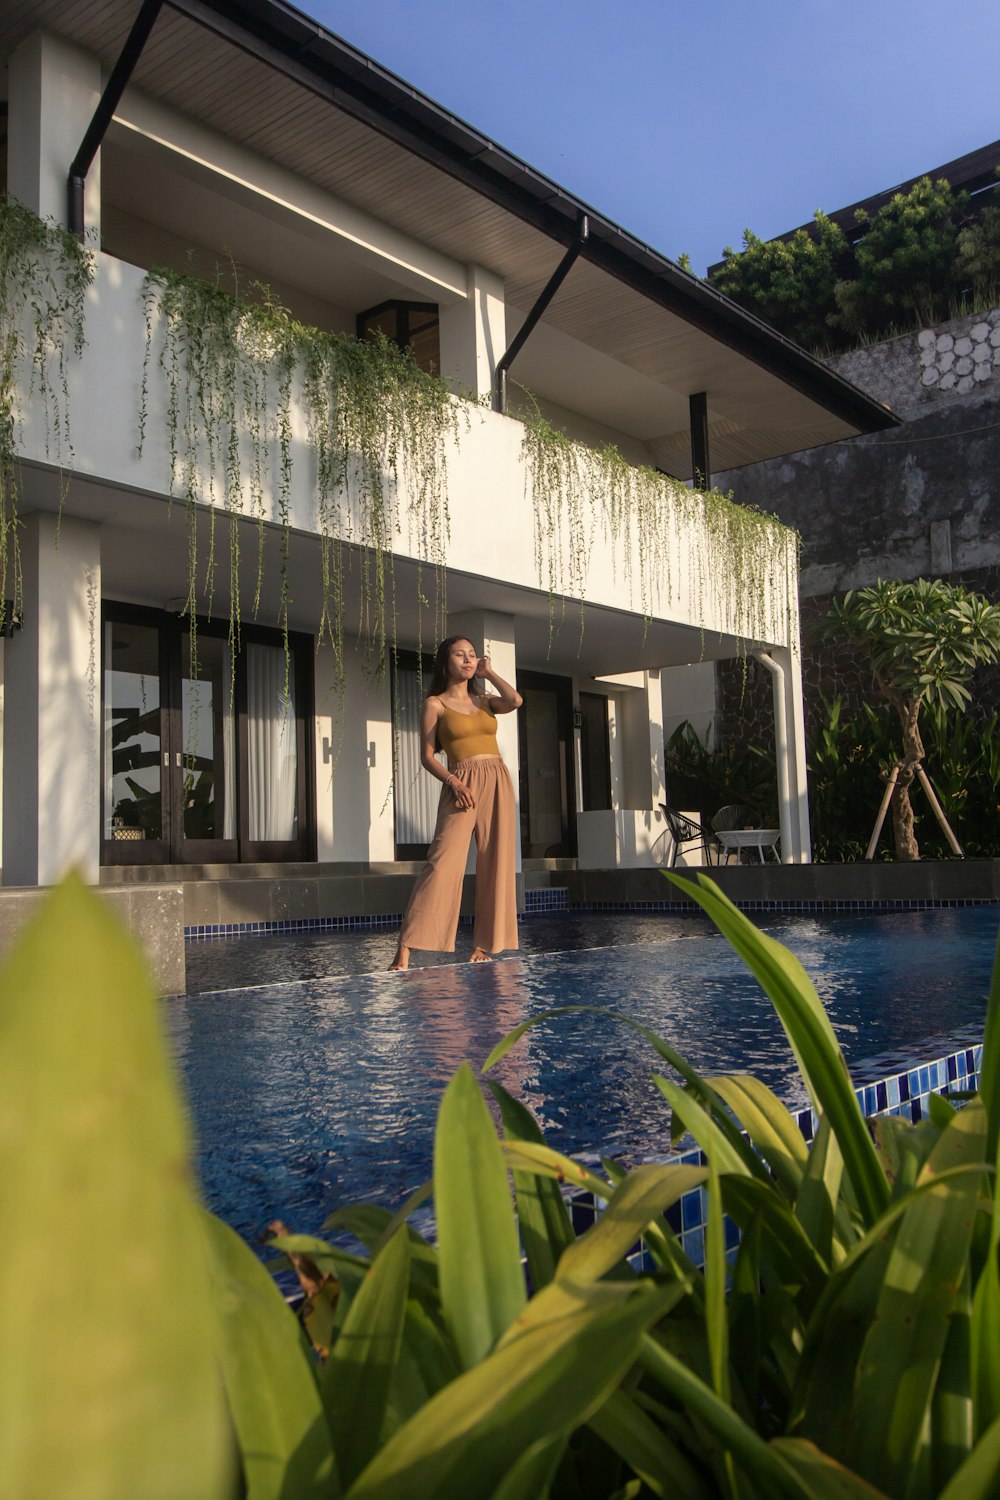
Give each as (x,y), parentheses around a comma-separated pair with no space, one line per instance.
(484,667)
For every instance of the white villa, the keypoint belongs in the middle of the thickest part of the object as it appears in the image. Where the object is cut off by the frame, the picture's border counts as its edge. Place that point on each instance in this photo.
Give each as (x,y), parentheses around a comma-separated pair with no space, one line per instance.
(238,142)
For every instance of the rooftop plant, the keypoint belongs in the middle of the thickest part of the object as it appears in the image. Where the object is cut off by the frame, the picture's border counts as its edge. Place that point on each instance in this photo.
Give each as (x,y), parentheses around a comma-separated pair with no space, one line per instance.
(848,1352)
(927,254)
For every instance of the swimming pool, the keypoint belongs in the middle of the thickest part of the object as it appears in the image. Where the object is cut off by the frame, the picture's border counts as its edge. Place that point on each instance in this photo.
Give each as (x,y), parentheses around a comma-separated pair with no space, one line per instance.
(320,1091)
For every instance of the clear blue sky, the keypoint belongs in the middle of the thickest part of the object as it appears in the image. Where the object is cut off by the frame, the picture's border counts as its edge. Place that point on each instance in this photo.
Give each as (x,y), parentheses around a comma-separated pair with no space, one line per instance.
(688,122)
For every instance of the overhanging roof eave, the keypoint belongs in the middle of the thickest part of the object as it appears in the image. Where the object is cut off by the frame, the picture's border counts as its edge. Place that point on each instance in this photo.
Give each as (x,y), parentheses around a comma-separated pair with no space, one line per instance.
(302,50)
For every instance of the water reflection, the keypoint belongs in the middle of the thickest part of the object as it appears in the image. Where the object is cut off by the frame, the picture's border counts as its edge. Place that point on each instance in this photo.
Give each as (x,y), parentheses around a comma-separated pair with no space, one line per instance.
(319,1091)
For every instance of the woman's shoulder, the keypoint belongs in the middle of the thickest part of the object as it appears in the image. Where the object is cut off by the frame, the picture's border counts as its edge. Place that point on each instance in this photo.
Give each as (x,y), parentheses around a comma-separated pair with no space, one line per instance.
(433,704)
(485,702)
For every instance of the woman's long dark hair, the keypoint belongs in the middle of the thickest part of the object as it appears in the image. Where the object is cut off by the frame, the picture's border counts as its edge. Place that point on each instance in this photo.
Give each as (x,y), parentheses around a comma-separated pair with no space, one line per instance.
(439,671)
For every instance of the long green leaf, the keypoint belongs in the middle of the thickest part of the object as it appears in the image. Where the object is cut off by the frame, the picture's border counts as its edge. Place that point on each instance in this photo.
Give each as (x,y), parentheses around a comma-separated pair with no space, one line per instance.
(817,1205)
(558,1363)
(526,1157)
(841,1318)
(270,1385)
(949,1441)
(824,1477)
(707,1131)
(801,1013)
(479,1257)
(641,1198)
(989,1074)
(783,1241)
(648,1450)
(899,1363)
(427,1363)
(985,1325)
(532,1471)
(109,1386)
(759,1461)
(769,1124)
(546,1227)
(979,1476)
(355,1384)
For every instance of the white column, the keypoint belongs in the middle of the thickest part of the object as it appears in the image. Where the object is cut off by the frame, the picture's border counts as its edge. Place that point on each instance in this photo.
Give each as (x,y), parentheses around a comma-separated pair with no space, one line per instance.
(474,335)
(492,633)
(54,90)
(52,691)
(790,753)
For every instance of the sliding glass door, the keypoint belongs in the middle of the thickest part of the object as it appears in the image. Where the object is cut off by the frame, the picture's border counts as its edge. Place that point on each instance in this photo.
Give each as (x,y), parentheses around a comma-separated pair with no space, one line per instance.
(205,752)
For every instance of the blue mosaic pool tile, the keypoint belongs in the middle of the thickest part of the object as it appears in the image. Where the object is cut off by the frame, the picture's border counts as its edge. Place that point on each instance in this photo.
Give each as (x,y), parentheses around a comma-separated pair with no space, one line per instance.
(900,1093)
(552,898)
(693,1244)
(693,1209)
(546,901)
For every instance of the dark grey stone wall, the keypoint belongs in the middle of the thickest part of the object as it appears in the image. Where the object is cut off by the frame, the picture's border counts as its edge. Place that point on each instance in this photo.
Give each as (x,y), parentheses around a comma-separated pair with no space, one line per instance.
(920,501)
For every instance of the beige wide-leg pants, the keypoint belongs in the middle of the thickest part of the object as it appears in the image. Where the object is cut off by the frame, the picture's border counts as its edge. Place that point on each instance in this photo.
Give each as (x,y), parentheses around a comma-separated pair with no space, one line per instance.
(431,919)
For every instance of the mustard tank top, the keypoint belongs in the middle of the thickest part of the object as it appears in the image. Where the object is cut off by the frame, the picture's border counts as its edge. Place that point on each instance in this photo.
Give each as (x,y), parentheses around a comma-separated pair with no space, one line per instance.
(464,735)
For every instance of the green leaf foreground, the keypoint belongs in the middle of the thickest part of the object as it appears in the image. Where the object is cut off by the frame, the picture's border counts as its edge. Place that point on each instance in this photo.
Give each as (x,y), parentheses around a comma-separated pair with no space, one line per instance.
(853,1355)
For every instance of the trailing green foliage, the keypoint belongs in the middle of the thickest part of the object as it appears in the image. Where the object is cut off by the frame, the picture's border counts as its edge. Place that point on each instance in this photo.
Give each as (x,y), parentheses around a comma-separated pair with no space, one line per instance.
(854,1355)
(670,546)
(236,372)
(926,255)
(44,275)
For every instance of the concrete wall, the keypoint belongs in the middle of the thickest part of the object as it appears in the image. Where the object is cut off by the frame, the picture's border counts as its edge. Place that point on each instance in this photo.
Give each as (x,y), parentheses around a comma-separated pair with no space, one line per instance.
(153,914)
(922,500)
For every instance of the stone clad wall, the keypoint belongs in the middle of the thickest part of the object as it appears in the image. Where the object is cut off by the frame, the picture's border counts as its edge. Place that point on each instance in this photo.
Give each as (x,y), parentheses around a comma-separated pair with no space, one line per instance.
(920,501)
(914,373)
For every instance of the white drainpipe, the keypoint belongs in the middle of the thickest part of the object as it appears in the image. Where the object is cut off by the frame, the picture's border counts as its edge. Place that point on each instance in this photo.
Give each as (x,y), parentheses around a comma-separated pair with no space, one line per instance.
(789,844)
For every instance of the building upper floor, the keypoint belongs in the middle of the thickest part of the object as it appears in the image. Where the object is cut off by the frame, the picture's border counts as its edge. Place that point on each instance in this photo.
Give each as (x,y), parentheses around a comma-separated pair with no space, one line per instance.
(244,142)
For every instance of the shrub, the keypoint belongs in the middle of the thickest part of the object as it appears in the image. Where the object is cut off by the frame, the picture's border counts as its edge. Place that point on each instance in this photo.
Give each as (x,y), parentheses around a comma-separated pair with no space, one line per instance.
(855,1356)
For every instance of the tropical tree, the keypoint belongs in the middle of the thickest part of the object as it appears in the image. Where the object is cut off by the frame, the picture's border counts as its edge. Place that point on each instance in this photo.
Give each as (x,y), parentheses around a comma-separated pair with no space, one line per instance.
(923,640)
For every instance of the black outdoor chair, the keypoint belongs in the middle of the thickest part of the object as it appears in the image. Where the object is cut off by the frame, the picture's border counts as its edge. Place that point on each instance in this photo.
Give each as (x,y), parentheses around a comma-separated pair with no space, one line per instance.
(683,832)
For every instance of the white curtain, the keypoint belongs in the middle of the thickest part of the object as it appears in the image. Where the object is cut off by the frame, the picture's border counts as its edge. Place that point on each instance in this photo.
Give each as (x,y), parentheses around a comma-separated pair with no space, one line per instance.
(228,749)
(416,793)
(272,769)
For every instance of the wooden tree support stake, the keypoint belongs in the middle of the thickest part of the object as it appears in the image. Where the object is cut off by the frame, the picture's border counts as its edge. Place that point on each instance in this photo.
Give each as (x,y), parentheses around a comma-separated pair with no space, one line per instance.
(938,812)
(890,787)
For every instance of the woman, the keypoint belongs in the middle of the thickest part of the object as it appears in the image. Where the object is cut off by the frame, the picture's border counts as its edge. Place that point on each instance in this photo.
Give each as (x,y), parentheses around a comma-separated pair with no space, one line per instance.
(477,798)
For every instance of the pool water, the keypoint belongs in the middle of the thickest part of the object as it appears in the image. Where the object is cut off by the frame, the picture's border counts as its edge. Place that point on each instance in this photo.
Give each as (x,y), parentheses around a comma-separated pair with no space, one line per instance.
(315,1092)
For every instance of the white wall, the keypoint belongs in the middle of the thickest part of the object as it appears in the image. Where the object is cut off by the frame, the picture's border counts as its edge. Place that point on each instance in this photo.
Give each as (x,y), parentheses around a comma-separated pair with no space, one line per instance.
(354,814)
(491,505)
(51,749)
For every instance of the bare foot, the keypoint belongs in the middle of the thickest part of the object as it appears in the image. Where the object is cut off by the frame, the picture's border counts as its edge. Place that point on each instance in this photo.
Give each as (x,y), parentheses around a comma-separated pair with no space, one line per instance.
(480,956)
(402,959)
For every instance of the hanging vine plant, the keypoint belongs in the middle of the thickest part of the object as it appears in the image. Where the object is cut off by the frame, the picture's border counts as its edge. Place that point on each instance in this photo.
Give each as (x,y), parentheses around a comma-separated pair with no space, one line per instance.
(736,560)
(44,275)
(238,374)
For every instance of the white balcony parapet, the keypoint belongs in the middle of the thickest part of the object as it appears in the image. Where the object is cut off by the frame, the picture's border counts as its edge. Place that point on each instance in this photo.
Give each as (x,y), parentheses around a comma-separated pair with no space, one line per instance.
(473,490)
